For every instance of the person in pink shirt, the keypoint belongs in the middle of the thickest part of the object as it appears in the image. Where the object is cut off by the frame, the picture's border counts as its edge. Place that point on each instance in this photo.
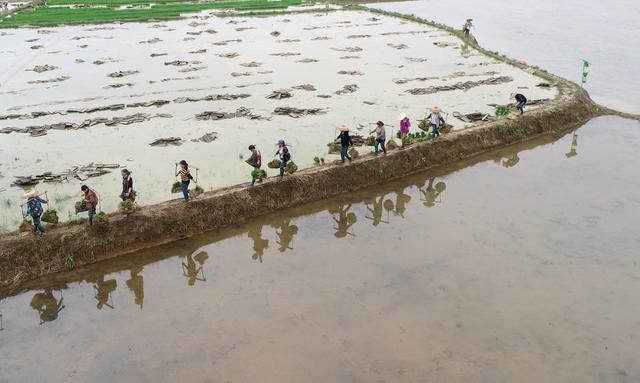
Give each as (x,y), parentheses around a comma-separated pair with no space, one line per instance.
(405,125)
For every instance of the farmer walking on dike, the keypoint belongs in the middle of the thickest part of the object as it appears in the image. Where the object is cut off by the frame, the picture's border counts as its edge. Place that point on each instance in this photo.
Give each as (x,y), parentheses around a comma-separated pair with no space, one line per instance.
(34,210)
(435,117)
(381,137)
(521,101)
(92,201)
(466,28)
(127,186)
(285,156)
(405,125)
(345,142)
(185,179)
(256,161)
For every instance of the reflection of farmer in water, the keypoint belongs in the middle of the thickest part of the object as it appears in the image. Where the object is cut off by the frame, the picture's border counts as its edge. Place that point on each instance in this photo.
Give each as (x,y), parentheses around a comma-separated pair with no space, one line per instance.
(344,221)
(135,283)
(259,244)
(285,235)
(574,146)
(103,290)
(510,161)
(192,271)
(401,200)
(47,305)
(431,194)
(376,212)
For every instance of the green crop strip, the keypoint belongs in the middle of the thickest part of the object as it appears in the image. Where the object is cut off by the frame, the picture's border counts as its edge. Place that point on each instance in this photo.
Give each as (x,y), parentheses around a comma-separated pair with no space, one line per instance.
(105,11)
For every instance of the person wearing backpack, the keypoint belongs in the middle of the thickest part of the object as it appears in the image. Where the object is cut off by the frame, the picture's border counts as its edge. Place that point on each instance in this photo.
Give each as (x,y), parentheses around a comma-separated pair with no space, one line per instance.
(285,156)
(35,210)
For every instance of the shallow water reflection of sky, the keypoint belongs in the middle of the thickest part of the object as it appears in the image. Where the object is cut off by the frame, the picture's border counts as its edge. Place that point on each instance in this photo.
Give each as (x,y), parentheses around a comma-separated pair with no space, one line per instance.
(555,35)
(517,266)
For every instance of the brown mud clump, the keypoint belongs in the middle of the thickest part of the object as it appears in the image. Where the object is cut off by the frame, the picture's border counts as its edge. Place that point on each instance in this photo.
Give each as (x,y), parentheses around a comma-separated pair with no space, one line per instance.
(280,94)
(296,112)
(460,85)
(122,73)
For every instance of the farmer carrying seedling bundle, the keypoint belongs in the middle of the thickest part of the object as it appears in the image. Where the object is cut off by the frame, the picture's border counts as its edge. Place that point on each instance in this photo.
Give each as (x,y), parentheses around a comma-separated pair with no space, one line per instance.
(256,161)
(127,186)
(285,156)
(345,142)
(381,137)
(405,125)
(185,178)
(435,117)
(92,201)
(521,101)
(34,210)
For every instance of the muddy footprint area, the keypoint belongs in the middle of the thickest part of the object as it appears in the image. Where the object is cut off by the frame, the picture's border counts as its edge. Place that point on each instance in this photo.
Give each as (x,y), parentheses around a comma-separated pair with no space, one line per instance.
(241,80)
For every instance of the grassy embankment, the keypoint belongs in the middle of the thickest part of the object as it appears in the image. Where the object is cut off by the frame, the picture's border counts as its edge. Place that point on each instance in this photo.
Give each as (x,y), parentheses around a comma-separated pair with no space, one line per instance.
(58,12)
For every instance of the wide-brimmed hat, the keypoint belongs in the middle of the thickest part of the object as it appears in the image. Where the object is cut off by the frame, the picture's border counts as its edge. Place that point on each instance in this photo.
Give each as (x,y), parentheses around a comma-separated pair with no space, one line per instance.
(402,116)
(31,194)
(343,128)
(280,142)
(436,109)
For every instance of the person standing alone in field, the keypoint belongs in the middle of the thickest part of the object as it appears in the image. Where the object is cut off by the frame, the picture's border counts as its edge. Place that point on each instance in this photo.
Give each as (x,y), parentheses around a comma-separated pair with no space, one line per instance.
(92,201)
(466,28)
(127,186)
(185,179)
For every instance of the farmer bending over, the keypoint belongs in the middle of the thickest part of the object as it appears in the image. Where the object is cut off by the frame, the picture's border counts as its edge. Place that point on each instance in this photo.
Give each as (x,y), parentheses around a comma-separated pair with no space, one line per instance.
(127,186)
(34,209)
(381,137)
(256,161)
(185,178)
(92,201)
(521,101)
(345,142)
(285,156)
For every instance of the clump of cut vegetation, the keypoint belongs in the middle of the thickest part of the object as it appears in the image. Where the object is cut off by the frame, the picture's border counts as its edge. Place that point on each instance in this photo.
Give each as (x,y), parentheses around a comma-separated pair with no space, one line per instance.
(196,191)
(502,110)
(176,187)
(50,216)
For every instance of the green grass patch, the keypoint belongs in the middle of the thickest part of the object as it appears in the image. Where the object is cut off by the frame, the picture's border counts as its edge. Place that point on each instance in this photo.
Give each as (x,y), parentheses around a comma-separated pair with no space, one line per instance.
(109,12)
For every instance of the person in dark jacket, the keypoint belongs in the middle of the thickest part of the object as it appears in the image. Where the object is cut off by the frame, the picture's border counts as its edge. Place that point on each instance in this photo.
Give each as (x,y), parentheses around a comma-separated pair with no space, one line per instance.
(345,142)
(285,156)
(127,186)
(35,210)
(521,101)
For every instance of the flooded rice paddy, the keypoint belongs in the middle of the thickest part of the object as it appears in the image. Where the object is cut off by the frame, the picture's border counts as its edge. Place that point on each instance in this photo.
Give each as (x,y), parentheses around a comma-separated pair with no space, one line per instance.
(556,35)
(101,94)
(517,266)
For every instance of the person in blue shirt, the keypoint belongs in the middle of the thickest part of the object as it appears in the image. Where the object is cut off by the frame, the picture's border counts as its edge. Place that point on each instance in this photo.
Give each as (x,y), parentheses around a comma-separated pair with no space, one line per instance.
(35,210)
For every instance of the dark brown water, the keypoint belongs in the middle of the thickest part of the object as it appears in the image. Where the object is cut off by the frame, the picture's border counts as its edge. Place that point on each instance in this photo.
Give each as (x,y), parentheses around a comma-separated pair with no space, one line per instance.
(520,266)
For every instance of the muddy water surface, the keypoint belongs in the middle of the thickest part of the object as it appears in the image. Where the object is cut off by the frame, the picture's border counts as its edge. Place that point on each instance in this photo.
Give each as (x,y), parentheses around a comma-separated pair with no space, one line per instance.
(556,35)
(519,266)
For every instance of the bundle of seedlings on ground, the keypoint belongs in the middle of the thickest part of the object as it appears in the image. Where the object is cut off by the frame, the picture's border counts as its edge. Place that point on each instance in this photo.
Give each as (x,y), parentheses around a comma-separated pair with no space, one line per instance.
(502,110)
(353,153)
(274,164)
(291,167)
(25,226)
(50,216)
(81,206)
(391,144)
(101,217)
(196,191)
(370,141)
(176,187)
(424,125)
(259,174)
(318,160)
(126,207)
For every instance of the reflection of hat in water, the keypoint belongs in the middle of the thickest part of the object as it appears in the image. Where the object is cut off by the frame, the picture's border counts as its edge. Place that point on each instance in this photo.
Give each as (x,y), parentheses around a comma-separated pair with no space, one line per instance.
(31,194)
(344,128)
(436,109)
(402,116)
